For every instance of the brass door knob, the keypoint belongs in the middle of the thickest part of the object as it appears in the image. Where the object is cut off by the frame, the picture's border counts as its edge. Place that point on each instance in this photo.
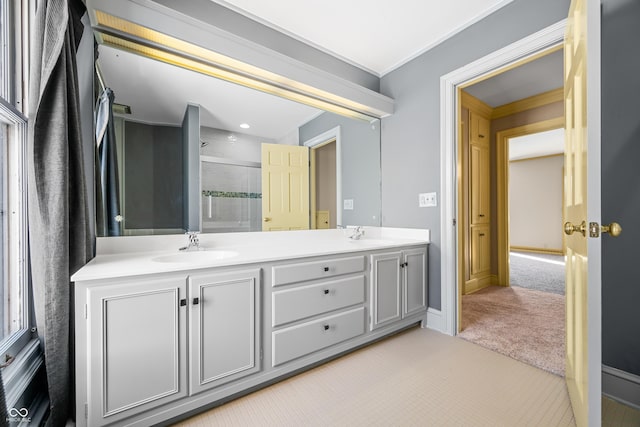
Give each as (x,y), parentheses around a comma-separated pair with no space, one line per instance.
(569,228)
(267,219)
(614,229)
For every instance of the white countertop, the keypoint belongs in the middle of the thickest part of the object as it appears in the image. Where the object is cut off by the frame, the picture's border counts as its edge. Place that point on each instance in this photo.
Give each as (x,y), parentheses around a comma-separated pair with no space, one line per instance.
(138,255)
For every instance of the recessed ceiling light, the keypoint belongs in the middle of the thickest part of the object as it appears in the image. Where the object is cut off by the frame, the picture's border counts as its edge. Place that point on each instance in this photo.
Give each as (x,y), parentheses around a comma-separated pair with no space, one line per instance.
(245,126)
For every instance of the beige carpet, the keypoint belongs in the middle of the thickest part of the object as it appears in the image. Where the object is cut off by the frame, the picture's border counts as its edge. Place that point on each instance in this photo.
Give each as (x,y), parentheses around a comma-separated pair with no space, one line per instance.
(417,378)
(525,324)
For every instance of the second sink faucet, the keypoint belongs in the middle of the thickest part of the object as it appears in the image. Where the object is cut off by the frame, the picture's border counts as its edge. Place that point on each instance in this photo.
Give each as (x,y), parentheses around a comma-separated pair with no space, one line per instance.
(194,242)
(358,232)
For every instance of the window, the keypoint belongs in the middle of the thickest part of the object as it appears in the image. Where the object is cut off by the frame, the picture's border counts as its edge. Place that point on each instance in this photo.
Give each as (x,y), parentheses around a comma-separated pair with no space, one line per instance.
(15,312)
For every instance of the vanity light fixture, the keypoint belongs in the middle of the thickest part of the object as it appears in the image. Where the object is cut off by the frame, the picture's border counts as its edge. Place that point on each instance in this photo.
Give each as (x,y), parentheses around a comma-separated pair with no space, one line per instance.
(245,126)
(126,35)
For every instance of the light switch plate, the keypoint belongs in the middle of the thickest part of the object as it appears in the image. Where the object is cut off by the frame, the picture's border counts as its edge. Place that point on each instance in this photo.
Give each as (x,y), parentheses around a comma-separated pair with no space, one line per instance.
(348,204)
(426,200)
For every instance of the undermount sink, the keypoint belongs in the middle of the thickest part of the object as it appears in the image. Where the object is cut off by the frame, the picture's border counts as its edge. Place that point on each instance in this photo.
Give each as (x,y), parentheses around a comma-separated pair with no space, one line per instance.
(195,257)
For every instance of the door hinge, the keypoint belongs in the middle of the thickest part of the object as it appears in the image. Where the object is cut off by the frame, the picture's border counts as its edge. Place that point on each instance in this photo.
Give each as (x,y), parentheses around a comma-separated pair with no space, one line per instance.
(454,222)
(86,311)
(261,353)
(86,411)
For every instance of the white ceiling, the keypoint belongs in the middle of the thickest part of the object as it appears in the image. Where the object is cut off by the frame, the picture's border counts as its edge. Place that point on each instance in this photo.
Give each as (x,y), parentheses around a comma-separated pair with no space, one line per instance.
(159,93)
(377,36)
(533,78)
(537,144)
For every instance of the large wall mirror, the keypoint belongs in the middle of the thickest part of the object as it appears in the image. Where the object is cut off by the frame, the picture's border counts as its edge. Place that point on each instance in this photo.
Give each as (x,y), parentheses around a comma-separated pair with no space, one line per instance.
(164,115)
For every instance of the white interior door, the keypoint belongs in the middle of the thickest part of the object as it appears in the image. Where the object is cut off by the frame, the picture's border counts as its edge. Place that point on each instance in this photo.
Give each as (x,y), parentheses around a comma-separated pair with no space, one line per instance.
(582,207)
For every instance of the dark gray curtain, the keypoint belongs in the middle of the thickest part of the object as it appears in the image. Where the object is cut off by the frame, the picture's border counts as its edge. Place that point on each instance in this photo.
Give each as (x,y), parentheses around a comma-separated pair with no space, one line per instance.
(4,414)
(59,236)
(108,209)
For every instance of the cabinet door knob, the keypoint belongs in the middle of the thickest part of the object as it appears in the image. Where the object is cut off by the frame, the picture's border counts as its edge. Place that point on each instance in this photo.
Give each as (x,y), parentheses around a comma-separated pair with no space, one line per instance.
(325,269)
(183,302)
(325,291)
(326,327)
(196,301)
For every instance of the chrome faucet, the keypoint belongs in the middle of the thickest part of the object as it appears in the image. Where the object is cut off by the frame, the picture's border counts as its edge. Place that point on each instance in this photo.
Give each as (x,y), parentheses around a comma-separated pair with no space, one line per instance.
(358,232)
(194,242)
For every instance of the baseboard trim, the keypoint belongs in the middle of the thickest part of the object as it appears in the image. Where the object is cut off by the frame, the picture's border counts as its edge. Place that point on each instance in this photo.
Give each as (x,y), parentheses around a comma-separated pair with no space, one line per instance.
(621,386)
(474,285)
(536,250)
(435,320)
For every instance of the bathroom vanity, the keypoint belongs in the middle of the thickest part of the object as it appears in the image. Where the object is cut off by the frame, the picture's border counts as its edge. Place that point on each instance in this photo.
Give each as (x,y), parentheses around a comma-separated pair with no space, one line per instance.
(162,333)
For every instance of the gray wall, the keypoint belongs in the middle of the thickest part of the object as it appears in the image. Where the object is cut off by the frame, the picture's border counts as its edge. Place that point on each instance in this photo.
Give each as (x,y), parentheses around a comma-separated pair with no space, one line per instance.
(191,167)
(620,183)
(153,160)
(411,136)
(360,164)
(246,147)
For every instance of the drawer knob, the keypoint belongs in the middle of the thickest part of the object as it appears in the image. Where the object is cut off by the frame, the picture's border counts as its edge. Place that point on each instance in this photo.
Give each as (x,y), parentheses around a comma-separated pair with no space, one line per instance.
(325,291)
(325,269)
(326,327)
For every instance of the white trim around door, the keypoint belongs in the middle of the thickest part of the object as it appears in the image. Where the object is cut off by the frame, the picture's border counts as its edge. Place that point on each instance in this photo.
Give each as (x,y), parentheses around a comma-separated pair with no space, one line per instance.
(449,83)
(334,133)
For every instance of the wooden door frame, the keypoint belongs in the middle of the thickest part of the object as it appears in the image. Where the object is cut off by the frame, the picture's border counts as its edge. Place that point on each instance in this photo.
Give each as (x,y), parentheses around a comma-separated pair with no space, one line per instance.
(502,186)
(529,48)
(317,142)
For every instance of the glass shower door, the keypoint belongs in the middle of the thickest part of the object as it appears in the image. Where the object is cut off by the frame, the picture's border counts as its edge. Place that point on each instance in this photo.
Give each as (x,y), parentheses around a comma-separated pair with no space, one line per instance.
(231,196)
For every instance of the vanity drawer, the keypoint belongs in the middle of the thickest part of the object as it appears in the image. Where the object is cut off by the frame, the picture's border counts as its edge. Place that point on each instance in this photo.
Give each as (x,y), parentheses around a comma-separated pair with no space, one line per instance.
(290,343)
(301,271)
(294,304)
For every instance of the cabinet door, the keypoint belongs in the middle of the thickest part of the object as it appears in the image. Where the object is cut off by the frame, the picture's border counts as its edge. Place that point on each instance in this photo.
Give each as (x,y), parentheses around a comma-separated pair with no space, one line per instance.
(479,183)
(224,325)
(415,281)
(480,250)
(385,289)
(137,347)
(480,128)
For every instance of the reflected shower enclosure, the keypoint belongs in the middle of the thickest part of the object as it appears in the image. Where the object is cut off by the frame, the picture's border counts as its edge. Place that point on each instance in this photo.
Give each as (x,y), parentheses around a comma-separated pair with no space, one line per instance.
(231,195)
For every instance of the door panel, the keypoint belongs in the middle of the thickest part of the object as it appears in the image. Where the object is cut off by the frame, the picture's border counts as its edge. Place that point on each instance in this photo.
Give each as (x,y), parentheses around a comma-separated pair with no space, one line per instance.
(479,183)
(137,348)
(285,187)
(582,205)
(225,319)
(386,288)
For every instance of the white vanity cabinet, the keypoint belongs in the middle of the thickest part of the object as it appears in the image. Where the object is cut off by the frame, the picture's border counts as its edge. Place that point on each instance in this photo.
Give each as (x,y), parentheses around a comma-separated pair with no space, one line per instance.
(316,304)
(145,342)
(166,340)
(136,348)
(224,324)
(398,286)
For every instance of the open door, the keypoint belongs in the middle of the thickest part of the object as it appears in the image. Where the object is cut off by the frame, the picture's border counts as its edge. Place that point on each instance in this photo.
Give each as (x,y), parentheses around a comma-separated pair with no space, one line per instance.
(582,211)
(285,187)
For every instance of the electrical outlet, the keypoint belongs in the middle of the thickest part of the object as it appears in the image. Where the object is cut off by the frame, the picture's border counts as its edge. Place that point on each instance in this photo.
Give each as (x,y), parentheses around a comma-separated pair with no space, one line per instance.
(426,200)
(348,204)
